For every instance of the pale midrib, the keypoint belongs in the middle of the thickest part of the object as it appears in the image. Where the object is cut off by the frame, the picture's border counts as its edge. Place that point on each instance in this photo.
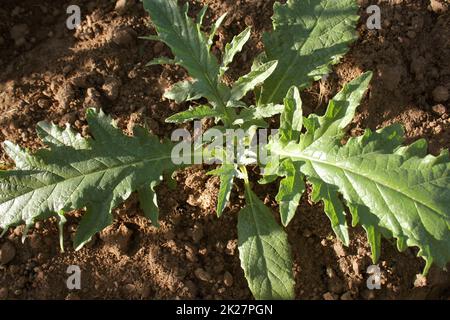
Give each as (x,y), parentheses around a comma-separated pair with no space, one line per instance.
(87,175)
(302,156)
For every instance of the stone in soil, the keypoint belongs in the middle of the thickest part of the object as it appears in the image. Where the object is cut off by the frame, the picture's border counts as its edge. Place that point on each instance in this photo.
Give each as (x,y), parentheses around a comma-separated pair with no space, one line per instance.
(438,6)
(440,94)
(228,279)
(7,253)
(64,95)
(202,275)
(3,293)
(347,296)
(439,109)
(93,98)
(197,233)
(329,296)
(122,6)
(124,37)
(111,88)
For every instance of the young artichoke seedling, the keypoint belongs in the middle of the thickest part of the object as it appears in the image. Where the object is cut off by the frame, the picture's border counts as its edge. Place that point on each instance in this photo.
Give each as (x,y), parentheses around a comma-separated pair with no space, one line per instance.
(391,190)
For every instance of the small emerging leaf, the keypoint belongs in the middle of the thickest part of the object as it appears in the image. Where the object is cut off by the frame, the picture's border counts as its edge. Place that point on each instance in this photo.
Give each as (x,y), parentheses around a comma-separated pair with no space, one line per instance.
(161,60)
(340,112)
(216,27)
(291,121)
(182,91)
(233,48)
(291,190)
(255,115)
(333,208)
(201,15)
(250,81)
(188,44)
(149,202)
(192,114)
(226,172)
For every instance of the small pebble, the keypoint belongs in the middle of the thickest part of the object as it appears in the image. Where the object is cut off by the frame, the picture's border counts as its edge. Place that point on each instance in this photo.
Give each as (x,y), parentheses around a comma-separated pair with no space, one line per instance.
(64,95)
(111,88)
(330,273)
(80,81)
(3,293)
(439,109)
(124,37)
(122,6)
(420,281)
(130,288)
(44,103)
(411,34)
(347,296)
(438,6)
(307,233)
(197,233)
(228,279)
(368,294)
(202,275)
(93,98)
(231,247)
(7,253)
(329,296)
(440,94)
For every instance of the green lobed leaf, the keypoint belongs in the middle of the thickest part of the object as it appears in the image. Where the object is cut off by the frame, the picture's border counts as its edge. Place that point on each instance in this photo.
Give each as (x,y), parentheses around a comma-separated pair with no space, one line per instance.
(332,206)
(149,202)
(340,112)
(391,190)
(201,15)
(98,176)
(291,121)
(255,115)
(161,60)
(215,27)
(182,91)
(227,173)
(233,48)
(292,186)
(390,193)
(193,113)
(248,82)
(52,135)
(190,47)
(272,170)
(264,251)
(308,37)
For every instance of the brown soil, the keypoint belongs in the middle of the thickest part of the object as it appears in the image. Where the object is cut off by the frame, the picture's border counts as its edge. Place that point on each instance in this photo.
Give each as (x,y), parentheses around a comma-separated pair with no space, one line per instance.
(50,73)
